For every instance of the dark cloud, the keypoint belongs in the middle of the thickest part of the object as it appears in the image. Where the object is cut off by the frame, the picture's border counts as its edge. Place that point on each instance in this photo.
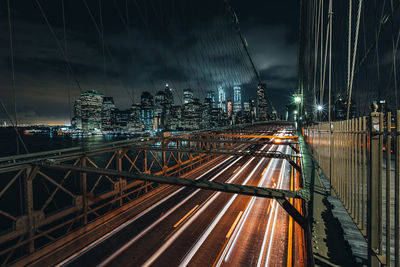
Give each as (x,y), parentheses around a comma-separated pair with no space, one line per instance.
(185,43)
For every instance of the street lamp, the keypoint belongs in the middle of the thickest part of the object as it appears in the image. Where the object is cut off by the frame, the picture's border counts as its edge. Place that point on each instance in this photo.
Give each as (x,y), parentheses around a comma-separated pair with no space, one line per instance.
(297,99)
(319,108)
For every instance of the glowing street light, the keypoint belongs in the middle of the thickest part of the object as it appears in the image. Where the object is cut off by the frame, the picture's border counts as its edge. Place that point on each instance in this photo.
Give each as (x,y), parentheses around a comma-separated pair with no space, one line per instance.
(297,99)
(319,107)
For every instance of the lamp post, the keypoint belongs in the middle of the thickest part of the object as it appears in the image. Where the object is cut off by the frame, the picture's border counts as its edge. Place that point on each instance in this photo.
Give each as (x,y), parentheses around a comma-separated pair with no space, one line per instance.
(320,108)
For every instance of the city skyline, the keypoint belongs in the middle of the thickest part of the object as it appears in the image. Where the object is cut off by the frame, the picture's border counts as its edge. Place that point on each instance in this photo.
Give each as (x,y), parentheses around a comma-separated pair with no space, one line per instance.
(94,111)
(136,57)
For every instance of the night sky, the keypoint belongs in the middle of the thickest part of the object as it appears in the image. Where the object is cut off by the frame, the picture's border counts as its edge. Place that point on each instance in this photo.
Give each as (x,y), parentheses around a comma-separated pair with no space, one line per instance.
(146,44)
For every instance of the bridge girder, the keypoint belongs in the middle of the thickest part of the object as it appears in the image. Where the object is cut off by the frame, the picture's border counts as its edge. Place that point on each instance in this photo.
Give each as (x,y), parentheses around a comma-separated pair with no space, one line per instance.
(279,194)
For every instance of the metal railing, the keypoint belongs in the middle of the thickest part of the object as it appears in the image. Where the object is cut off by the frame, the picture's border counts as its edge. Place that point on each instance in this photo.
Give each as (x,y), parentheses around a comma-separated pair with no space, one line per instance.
(356,155)
(42,207)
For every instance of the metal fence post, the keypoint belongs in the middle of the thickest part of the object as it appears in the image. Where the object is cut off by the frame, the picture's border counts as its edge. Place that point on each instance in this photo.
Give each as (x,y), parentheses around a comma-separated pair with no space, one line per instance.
(331,156)
(29,208)
(388,187)
(397,193)
(83,180)
(363,175)
(373,187)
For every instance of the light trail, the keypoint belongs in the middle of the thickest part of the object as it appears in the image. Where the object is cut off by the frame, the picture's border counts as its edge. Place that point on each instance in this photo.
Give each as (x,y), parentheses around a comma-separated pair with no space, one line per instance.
(273,225)
(194,217)
(274,209)
(228,235)
(211,227)
(133,240)
(122,226)
(187,215)
(231,244)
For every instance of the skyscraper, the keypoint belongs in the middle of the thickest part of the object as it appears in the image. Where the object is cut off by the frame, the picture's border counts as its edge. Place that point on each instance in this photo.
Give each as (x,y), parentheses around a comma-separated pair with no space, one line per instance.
(91,102)
(169,102)
(169,98)
(159,110)
(229,108)
(77,119)
(147,110)
(221,99)
(187,96)
(262,102)
(211,95)
(107,109)
(237,99)
(135,121)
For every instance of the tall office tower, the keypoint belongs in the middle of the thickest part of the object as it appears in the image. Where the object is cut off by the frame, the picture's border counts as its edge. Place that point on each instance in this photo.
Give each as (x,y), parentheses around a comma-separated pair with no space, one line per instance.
(229,108)
(77,119)
(159,110)
(253,110)
(237,99)
(211,95)
(169,98)
(246,106)
(169,102)
(192,115)
(121,118)
(221,99)
(147,110)
(135,121)
(175,122)
(107,109)
(91,102)
(262,102)
(187,96)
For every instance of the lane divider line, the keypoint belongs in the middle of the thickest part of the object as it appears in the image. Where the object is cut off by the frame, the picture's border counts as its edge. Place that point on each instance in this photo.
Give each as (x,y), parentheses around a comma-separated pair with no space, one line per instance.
(200,211)
(133,240)
(234,224)
(122,226)
(205,235)
(187,215)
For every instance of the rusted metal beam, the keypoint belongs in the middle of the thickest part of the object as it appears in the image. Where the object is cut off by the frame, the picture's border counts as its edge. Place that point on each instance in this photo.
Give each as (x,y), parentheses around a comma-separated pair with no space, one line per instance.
(234,141)
(218,151)
(292,137)
(215,186)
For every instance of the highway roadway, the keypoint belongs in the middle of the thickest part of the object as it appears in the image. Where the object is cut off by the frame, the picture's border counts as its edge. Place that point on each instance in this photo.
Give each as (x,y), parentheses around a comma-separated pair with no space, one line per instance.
(189,227)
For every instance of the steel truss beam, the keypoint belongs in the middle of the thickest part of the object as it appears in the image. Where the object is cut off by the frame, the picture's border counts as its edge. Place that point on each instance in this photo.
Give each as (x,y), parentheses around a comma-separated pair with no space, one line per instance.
(224,151)
(292,137)
(233,141)
(279,194)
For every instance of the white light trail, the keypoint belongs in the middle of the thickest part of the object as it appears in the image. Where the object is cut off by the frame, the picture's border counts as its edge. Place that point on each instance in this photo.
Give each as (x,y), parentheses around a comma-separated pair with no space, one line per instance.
(133,240)
(189,256)
(122,226)
(274,209)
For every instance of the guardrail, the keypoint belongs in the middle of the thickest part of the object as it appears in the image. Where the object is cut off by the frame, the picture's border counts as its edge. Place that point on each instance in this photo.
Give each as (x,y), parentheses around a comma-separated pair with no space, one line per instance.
(42,206)
(356,155)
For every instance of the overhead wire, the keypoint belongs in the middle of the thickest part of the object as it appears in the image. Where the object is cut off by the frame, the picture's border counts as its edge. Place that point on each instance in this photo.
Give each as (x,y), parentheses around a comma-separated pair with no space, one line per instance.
(59,45)
(13,75)
(66,53)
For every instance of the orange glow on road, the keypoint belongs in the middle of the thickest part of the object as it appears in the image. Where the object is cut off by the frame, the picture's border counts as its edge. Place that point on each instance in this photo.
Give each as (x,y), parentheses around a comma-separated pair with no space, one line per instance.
(184,217)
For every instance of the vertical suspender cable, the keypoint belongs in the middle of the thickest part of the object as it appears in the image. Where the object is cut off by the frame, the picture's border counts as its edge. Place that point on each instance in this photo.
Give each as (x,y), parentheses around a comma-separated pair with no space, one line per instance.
(316,48)
(349,49)
(354,57)
(58,44)
(330,62)
(321,96)
(13,72)
(394,47)
(66,54)
(321,66)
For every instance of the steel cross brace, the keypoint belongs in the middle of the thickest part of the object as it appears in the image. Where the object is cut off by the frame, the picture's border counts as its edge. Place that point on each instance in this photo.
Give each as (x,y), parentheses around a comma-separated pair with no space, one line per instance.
(279,194)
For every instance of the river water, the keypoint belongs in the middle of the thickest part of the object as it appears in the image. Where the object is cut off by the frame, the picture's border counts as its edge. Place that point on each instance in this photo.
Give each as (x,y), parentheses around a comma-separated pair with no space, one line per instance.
(44,142)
